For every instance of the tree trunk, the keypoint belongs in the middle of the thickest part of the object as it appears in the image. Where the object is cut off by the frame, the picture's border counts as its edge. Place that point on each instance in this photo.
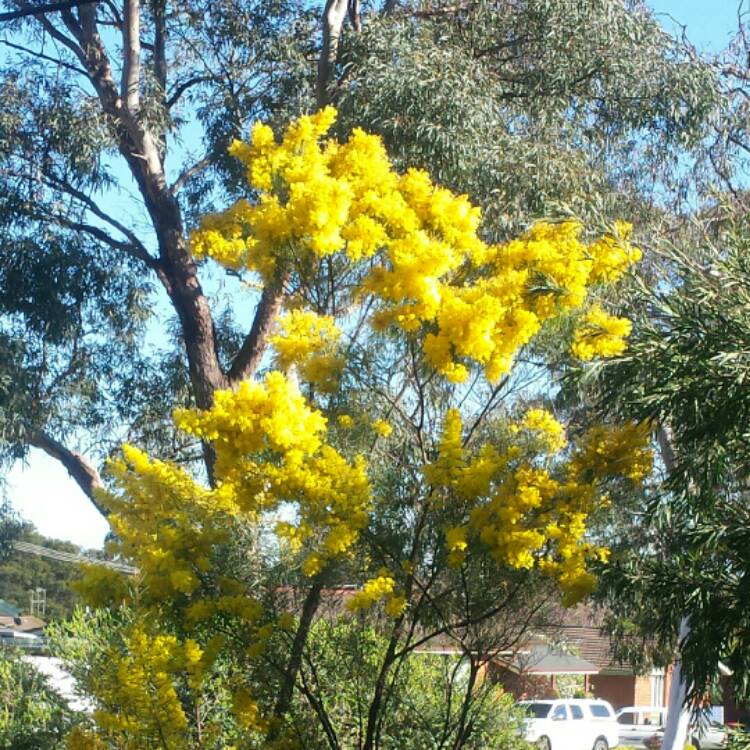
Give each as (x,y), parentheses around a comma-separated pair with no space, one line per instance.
(678,715)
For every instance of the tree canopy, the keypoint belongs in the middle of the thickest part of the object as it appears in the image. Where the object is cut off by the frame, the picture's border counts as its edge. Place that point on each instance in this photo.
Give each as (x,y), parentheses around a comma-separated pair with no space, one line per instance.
(388,443)
(114,134)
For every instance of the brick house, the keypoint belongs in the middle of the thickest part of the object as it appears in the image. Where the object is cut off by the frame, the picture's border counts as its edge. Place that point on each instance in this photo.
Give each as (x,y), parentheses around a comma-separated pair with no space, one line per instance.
(576,645)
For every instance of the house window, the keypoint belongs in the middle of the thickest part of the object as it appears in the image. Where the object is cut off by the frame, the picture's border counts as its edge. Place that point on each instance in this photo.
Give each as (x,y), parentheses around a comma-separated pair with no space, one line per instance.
(657,688)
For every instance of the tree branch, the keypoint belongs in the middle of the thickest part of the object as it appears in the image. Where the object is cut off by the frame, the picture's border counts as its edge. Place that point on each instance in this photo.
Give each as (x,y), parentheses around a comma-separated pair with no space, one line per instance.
(181,88)
(79,468)
(191,171)
(92,206)
(35,10)
(160,53)
(135,251)
(312,600)
(131,69)
(42,56)
(250,354)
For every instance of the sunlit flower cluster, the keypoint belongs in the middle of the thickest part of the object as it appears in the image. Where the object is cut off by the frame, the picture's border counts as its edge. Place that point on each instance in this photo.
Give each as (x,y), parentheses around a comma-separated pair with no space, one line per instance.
(308,341)
(543,424)
(600,335)
(524,513)
(142,705)
(270,449)
(377,589)
(417,244)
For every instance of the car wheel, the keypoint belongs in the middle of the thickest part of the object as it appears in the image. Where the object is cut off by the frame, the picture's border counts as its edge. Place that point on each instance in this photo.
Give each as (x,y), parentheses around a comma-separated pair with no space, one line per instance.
(543,743)
(600,744)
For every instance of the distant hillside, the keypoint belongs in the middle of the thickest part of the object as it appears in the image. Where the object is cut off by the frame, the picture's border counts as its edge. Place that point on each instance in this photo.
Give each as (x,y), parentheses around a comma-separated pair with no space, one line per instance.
(20,573)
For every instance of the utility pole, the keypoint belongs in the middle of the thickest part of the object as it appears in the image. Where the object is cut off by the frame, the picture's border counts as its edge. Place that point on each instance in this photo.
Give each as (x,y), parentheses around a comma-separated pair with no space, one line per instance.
(38,604)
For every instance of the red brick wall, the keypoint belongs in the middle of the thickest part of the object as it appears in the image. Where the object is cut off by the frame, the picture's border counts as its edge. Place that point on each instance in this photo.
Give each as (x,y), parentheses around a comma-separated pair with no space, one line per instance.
(521,686)
(619,690)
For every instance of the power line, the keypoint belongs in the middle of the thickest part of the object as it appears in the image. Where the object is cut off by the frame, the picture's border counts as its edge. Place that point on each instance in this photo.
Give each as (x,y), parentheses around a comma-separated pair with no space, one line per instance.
(70,557)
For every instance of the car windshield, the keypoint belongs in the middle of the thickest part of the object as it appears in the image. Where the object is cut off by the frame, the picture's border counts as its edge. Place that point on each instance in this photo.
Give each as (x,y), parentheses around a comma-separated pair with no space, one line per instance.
(536,710)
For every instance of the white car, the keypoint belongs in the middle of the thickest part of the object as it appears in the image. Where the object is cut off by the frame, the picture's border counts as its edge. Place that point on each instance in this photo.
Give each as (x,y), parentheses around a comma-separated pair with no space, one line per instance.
(640,723)
(575,724)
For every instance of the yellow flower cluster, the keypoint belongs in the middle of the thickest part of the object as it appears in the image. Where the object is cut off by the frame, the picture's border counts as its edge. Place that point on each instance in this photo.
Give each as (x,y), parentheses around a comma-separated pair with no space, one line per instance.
(142,707)
(166,523)
(543,424)
(308,341)
(615,450)
(416,243)
(382,428)
(613,254)
(601,335)
(270,449)
(520,286)
(524,514)
(380,588)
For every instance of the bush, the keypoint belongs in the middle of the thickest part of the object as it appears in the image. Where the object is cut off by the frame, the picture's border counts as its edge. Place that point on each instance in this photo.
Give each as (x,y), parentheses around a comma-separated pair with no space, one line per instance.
(32,715)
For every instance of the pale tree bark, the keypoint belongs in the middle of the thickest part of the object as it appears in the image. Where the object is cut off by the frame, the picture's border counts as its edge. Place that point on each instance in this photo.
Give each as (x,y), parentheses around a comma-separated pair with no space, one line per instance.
(131,69)
(678,714)
(334,16)
(144,152)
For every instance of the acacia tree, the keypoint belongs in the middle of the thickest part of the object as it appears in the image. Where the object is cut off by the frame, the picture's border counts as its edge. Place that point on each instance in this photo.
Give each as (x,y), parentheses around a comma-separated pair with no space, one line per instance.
(116,118)
(386,440)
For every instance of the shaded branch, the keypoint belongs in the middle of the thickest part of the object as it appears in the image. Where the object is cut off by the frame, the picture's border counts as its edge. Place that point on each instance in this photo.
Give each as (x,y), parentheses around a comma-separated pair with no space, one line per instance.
(181,88)
(160,53)
(250,354)
(34,10)
(334,16)
(190,172)
(80,468)
(284,701)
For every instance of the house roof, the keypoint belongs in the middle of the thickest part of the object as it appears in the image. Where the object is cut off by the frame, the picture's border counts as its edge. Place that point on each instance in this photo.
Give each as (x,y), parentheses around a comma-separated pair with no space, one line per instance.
(21,623)
(8,610)
(571,641)
(546,660)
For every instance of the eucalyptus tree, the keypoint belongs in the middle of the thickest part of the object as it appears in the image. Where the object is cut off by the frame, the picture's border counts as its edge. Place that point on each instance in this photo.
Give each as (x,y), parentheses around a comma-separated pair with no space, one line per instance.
(116,118)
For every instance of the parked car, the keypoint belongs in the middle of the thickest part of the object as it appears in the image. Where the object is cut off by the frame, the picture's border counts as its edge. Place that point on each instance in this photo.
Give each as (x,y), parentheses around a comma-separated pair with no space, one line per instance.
(576,724)
(636,724)
(643,726)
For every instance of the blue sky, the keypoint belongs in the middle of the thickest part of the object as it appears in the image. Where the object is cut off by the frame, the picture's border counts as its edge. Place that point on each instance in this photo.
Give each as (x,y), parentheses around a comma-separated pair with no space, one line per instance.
(42,491)
(709,23)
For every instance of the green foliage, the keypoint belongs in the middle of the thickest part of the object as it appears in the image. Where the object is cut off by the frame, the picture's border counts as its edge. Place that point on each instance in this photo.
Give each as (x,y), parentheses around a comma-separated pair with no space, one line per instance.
(533,108)
(686,370)
(19,573)
(32,715)
(427,703)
